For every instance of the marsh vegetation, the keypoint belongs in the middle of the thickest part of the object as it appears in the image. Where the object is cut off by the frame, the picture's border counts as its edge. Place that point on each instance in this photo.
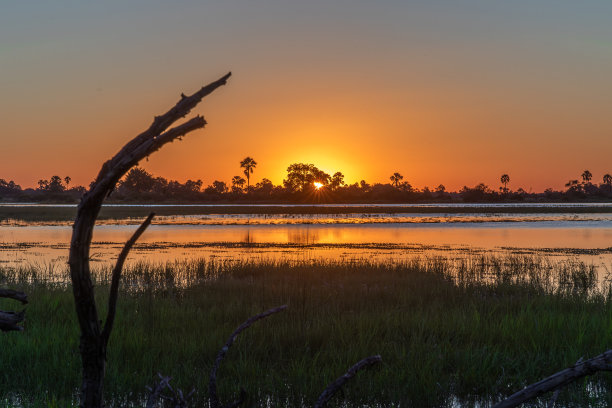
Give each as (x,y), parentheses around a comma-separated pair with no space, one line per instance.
(469,331)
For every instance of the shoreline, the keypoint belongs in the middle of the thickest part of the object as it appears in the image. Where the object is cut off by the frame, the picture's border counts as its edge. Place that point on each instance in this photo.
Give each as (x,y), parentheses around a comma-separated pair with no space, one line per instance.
(48,212)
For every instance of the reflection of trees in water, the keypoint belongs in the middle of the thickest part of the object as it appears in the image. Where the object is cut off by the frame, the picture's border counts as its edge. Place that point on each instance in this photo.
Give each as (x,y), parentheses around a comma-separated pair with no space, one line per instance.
(248,237)
(302,236)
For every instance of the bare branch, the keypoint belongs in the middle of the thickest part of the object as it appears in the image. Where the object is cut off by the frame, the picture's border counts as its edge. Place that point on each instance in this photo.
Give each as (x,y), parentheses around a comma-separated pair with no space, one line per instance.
(340,381)
(13,294)
(9,321)
(212,385)
(602,362)
(116,277)
(180,110)
(94,338)
(160,124)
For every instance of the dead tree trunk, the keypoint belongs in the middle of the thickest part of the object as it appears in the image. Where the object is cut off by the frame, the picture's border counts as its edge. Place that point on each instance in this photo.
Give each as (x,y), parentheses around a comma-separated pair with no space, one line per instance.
(94,338)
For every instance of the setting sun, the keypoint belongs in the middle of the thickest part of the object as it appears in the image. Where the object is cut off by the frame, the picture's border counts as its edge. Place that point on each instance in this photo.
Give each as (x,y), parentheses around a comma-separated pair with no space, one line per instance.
(318,185)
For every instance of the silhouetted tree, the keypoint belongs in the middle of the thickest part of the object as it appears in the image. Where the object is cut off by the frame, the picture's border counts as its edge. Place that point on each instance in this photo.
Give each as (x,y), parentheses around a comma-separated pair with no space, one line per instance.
(67,180)
(441,191)
(248,164)
(265,186)
(217,187)
(396,178)
(43,184)
(586,176)
(405,186)
(505,179)
(301,176)
(607,179)
(8,187)
(137,180)
(238,184)
(337,180)
(55,185)
(480,192)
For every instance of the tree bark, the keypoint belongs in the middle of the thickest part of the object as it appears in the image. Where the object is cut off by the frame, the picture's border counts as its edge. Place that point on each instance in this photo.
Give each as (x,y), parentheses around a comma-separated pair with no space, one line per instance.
(94,339)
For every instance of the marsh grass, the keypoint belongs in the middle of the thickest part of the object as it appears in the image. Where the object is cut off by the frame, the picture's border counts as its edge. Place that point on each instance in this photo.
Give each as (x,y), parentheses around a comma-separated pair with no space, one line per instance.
(451,332)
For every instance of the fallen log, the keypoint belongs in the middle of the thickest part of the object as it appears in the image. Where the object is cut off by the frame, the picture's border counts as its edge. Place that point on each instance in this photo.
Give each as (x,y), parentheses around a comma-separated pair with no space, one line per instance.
(9,321)
(602,362)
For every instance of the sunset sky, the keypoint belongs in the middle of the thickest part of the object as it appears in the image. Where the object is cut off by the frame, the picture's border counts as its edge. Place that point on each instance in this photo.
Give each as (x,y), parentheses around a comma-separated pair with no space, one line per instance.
(454,92)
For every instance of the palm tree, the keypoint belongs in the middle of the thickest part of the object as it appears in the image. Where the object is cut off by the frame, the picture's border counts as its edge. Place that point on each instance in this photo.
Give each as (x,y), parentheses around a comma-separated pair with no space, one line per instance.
(396,178)
(237,183)
(505,179)
(248,164)
(586,176)
(607,179)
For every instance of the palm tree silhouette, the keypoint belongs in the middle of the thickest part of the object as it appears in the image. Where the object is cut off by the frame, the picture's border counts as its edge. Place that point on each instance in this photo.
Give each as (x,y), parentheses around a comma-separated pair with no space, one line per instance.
(505,179)
(586,176)
(607,179)
(248,164)
(396,178)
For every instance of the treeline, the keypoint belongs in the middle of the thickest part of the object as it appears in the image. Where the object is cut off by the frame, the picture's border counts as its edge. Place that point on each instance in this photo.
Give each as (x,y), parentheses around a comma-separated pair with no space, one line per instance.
(304,183)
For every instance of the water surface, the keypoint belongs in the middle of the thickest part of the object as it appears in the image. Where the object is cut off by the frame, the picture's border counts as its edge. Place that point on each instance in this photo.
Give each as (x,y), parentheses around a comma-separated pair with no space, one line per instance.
(375,236)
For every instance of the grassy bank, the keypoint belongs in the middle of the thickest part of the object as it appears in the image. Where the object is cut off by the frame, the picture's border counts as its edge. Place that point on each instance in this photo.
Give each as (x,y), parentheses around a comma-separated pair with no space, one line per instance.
(471,331)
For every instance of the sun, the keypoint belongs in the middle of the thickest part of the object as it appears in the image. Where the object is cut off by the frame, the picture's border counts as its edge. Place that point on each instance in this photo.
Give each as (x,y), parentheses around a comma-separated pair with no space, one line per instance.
(318,185)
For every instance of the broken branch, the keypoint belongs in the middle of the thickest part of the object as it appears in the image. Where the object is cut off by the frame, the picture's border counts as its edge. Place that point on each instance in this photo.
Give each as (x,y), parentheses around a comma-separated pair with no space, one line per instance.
(13,294)
(9,321)
(340,381)
(602,362)
(212,384)
(116,276)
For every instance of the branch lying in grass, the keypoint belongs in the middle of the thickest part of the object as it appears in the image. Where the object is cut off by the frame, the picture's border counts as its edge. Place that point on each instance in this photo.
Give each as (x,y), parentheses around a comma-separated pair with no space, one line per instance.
(340,381)
(13,294)
(602,362)
(212,385)
(9,321)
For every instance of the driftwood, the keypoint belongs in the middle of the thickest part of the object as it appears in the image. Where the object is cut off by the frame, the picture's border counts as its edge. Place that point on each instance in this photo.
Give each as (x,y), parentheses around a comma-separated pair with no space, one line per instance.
(9,321)
(602,362)
(340,381)
(94,338)
(212,384)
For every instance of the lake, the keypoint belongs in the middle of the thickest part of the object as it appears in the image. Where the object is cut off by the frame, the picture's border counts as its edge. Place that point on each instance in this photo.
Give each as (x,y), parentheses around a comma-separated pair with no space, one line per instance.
(39,235)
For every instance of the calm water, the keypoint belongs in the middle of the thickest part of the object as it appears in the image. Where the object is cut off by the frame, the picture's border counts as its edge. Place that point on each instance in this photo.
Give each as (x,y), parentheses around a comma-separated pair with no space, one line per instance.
(348,236)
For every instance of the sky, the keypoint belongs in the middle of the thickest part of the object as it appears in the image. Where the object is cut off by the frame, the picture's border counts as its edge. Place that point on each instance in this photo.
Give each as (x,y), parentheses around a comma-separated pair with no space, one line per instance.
(452,92)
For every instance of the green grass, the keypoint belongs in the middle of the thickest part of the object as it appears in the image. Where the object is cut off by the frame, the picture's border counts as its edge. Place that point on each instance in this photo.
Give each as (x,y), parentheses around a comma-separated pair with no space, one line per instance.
(448,331)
